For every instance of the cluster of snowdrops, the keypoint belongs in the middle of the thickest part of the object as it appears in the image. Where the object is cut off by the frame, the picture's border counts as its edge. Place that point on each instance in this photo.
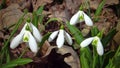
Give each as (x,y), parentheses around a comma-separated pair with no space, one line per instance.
(31,35)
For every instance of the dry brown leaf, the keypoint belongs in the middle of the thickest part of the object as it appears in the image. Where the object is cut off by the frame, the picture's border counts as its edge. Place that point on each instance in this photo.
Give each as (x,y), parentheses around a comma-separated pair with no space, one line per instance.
(117,35)
(37,3)
(94,4)
(107,20)
(118,25)
(64,10)
(72,60)
(117,38)
(46,49)
(10,15)
(112,2)
(58,11)
(73,5)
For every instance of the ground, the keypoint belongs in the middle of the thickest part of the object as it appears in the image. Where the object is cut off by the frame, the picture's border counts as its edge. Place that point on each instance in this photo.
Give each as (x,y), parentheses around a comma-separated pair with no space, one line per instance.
(49,56)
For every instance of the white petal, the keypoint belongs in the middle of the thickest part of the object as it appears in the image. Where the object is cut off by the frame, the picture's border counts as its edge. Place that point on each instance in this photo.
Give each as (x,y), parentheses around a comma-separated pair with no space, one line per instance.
(16,41)
(32,43)
(100,49)
(68,38)
(60,39)
(23,29)
(87,19)
(75,18)
(52,36)
(36,33)
(86,42)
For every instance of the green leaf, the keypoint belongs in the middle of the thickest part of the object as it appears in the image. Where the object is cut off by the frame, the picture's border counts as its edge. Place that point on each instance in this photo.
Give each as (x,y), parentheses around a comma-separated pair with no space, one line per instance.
(116,58)
(109,37)
(41,19)
(35,19)
(16,62)
(99,9)
(100,34)
(4,52)
(13,32)
(45,37)
(116,62)
(94,31)
(36,15)
(39,14)
(40,10)
(107,56)
(53,19)
(76,33)
(110,64)
(84,61)
(85,57)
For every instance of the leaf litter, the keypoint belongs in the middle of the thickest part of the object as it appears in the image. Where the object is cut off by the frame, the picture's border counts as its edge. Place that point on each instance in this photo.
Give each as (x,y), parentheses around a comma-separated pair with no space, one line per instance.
(50,56)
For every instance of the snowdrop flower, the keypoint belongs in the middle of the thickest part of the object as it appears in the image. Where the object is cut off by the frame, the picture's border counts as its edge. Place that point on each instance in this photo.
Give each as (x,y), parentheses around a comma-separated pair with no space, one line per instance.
(62,36)
(95,41)
(26,36)
(80,16)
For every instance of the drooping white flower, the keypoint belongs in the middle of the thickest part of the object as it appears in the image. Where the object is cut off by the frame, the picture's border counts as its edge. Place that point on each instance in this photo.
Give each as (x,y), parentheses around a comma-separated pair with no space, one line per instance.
(80,16)
(62,36)
(26,36)
(96,41)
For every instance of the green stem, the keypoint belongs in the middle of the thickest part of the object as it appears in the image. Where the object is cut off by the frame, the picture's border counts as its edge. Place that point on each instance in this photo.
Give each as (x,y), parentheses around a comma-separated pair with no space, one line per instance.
(94,57)
(23,52)
(101,61)
(117,51)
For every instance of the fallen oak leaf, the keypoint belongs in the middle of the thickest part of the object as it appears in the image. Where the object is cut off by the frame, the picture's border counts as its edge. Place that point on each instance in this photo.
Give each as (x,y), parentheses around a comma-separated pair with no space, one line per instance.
(73,59)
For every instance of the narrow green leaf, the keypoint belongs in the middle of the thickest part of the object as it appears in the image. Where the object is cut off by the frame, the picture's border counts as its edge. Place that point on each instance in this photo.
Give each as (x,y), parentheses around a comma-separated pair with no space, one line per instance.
(94,31)
(40,10)
(109,37)
(35,19)
(76,33)
(110,64)
(41,19)
(4,52)
(7,56)
(53,19)
(114,61)
(106,58)
(13,32)
(16,62)
(99,9)
(100,34)
(37,16)
(85,57)
(45,37)
(84,61)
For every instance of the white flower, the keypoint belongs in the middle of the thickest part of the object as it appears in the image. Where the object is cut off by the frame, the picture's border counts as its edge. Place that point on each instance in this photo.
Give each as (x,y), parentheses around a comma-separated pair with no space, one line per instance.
(80,16)
(96,41)
(26,36)
(62,36)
